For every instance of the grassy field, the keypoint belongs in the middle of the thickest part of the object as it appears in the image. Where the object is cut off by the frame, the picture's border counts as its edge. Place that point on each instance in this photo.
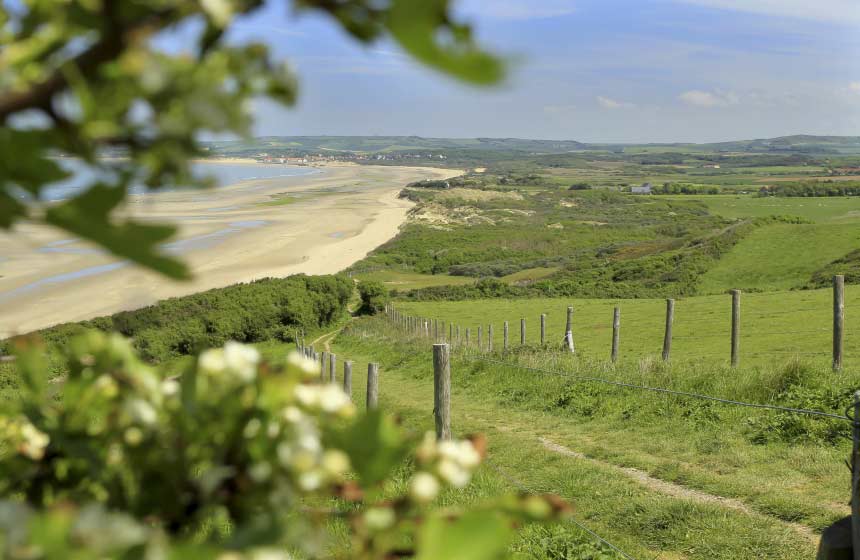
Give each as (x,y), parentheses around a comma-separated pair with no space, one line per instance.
(775,326)
(780,257)
(655,475)
(819,210)
(405,281)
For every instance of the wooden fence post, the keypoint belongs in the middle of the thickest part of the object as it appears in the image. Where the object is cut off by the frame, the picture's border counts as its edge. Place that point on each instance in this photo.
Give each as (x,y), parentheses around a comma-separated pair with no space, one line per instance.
(543,329)
(347,378)
(322,366)
(855,478)
(838,320)
(568,331)
(505,343)
(667,335)
(468,336)
(450,332)
(458,335)
(489,338)
(480,338)
(736,327)
(616,333)
(442,390)
(332,364)
(522,332)
(372,386)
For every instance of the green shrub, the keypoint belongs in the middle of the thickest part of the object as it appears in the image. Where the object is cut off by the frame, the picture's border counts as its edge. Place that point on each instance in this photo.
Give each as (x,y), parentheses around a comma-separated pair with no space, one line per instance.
(374,296)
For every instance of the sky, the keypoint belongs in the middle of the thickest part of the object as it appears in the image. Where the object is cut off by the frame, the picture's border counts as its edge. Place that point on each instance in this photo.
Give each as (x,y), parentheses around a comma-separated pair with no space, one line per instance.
(587,70)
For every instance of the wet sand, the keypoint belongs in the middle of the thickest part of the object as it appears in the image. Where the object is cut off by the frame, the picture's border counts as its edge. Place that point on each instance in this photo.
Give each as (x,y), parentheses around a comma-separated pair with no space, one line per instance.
(227,235)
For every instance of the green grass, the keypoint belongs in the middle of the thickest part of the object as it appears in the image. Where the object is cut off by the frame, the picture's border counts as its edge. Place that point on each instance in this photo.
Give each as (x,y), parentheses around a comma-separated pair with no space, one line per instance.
(281,200)
(830,209)
(780,257)
(529,275)
(704,447)
(405,281)
(775,326)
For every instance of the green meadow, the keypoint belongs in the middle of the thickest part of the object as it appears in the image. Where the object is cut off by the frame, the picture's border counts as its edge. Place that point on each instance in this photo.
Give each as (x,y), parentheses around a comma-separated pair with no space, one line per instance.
(776,327)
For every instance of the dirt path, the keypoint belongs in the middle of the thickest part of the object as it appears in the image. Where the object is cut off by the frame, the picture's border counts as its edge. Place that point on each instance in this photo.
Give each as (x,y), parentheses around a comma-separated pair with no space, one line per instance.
(678,491)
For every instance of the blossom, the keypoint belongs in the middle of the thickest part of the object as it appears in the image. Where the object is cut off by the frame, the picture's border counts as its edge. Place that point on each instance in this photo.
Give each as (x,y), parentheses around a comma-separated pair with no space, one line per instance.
(423,487)
(141,411)
(461,452)
(335,462)
(379,518)
(453,473)
(306,365)
(170,387)
(33,442)
(212,361)
(241,360)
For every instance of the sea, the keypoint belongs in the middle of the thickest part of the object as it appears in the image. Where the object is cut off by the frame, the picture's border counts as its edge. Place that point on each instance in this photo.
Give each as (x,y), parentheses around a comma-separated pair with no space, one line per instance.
(223,174)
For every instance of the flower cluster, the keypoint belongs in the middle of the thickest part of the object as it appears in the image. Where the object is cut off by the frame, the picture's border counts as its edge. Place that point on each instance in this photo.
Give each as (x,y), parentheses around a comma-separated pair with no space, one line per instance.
(442,462)
(26,438)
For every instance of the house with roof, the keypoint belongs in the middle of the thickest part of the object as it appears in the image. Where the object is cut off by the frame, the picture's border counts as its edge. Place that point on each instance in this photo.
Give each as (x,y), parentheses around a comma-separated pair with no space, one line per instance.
(644,189)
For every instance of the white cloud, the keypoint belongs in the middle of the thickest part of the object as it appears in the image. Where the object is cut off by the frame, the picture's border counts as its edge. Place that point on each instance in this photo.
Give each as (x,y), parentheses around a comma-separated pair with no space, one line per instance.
(699,98)
(835,11)
(516,10)
(608,103)
(854,86)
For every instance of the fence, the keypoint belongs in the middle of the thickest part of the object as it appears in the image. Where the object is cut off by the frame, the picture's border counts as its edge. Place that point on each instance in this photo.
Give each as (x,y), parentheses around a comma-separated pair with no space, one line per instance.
(700,330)
(841,540)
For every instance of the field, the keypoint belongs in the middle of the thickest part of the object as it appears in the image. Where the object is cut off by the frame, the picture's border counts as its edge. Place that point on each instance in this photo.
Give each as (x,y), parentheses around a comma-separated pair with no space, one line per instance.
(655,475)
(776,327)
(781,257)
(819,210)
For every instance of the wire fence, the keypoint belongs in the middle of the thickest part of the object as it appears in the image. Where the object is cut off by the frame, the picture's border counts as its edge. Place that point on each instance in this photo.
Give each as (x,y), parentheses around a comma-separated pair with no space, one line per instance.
(585,378)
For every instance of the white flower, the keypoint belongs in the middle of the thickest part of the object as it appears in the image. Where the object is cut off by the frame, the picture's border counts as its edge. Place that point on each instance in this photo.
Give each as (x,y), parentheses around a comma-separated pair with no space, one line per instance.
(269,554)
(307,366)
(335,462)
(260,472)
(427,449)
(170,387)
(309,441)
(273,430)
(141,411)
(252,428)
(310,481)
(212,361)
(379,518)
(106,386)
(34,442)
(461,452)
(241,360)
(333,399)
(133,436)
(423,487)
(285,453)
(453,473)
(308,395)
(292,414)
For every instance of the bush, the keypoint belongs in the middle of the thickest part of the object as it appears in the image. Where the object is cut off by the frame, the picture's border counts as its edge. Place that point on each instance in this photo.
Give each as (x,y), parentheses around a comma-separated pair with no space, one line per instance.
(271,308)
(233,455)
(374,296)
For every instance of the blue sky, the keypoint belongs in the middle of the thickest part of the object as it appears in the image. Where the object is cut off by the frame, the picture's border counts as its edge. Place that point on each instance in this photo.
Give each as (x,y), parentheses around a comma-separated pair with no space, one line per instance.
(590,70)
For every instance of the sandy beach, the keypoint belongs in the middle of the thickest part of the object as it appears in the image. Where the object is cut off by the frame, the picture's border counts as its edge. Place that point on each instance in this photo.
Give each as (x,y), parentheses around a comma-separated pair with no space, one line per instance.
(237,233)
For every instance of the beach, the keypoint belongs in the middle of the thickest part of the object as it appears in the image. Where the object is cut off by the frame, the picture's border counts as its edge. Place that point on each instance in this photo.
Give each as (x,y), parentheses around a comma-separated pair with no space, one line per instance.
(319,223)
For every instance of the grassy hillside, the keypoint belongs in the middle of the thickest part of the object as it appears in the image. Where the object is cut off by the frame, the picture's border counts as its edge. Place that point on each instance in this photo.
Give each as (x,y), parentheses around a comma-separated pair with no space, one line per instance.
(819,210)
(657,475)
(781,257)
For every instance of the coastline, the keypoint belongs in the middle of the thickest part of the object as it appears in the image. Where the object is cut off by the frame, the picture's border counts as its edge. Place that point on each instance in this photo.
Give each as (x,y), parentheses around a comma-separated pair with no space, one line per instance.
(232,234)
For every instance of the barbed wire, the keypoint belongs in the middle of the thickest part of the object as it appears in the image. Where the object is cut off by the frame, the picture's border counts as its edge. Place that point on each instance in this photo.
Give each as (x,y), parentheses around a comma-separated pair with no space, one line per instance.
(813,413)
(523,488)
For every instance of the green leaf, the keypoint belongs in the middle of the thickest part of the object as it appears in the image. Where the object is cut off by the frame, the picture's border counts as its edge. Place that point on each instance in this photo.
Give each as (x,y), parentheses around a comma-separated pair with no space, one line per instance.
(88,216)
(417,25)
(474,536)
(375,445)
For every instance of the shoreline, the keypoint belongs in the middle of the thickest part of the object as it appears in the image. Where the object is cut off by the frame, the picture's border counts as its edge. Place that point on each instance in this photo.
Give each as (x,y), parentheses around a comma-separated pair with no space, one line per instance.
(232,234)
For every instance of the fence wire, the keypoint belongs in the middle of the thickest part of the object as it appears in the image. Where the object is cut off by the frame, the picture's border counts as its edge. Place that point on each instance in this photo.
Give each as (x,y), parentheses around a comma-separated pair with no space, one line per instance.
(813,413)
(523,488)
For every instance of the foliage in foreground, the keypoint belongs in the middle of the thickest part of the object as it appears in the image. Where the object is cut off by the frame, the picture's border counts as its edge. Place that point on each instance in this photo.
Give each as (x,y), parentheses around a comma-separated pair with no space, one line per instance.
(121,460)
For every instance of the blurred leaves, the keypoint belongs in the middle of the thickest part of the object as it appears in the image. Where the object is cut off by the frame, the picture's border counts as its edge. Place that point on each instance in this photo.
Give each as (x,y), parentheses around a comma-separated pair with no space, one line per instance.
(82,78)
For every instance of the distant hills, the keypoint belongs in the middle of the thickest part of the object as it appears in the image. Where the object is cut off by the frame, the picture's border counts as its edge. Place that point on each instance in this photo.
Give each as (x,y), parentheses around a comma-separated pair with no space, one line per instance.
(806,144)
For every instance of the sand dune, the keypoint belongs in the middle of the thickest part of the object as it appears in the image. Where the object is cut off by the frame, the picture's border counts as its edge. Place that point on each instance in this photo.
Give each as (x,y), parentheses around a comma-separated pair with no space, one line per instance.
(232,234)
